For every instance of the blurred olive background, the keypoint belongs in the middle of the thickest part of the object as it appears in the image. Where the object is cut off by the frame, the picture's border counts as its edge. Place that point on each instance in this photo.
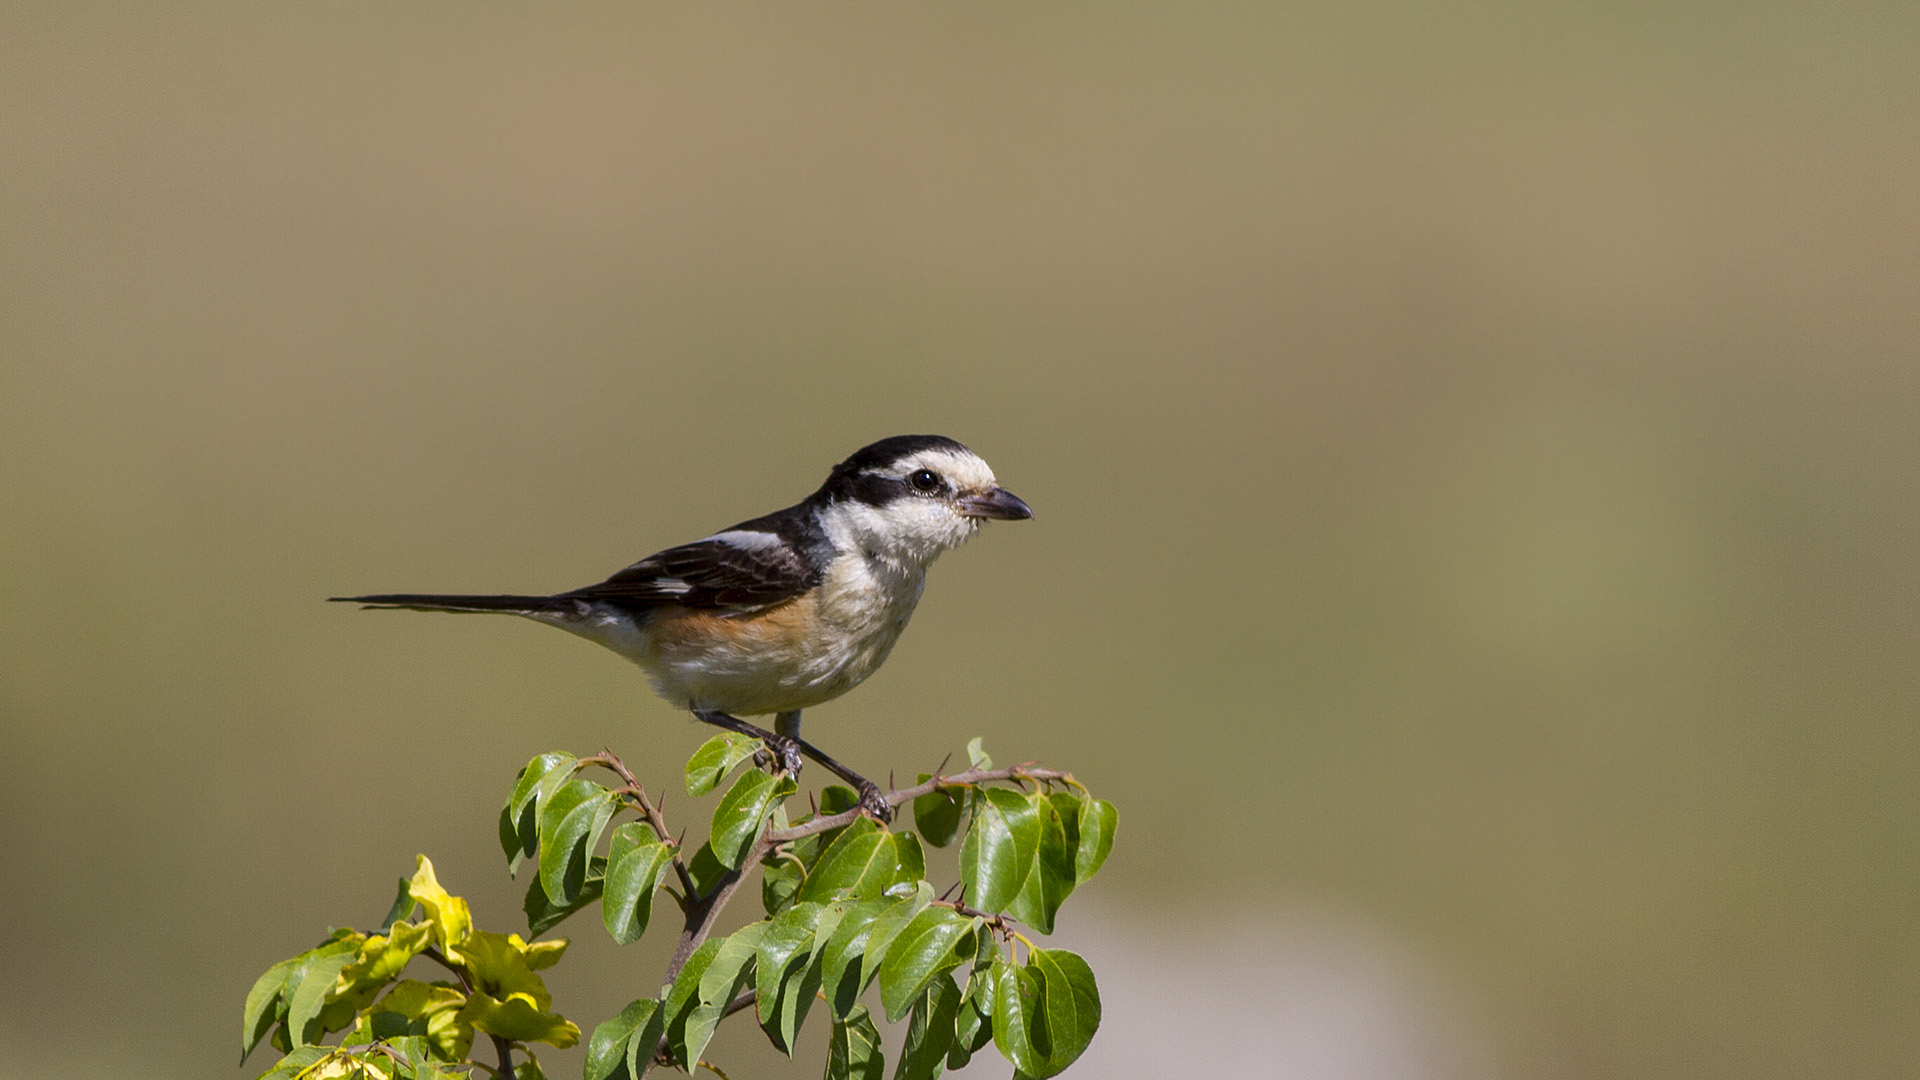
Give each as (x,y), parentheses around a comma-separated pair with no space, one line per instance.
(1474,450)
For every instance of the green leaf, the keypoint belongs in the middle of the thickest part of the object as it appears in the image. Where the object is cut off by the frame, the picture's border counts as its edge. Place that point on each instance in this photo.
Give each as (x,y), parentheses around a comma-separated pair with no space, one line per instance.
(569,829)
(887,927)
(521,811)
(636,862)
(509,830)
(937,813)
(742,812)
(910,860)
(973,1027)
(854,1051)
(780,973)
(930,1030)
(1070,1006)
(716,758)
(309,984)
(706,870)
(863,863)
(978,756)
(724,977)
(971,1031)
(413,1049)
(781,875)
(647,1031)
(683,996)
(1045,1011)
(1016,998)
(1097,821)
(261,1011)
(543,914)
(529,1068)
(1053,872)
(840,959)
(928,948)
(1002,845)
(403,907)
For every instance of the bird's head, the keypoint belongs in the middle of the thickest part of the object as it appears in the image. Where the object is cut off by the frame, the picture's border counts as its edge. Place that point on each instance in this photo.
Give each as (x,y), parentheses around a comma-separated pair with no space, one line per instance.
(911,497)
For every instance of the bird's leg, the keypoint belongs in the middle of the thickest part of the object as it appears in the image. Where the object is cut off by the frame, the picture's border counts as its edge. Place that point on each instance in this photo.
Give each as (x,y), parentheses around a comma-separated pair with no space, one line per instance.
(873,802)
(787,745)
(784,748)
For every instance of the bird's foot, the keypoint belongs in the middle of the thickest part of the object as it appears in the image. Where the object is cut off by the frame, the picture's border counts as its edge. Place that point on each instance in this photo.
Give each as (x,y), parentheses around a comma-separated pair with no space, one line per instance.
(873,801)
(783,750)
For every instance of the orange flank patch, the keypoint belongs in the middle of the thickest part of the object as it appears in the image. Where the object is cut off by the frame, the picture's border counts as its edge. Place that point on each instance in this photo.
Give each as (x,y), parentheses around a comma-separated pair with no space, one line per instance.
(781,631)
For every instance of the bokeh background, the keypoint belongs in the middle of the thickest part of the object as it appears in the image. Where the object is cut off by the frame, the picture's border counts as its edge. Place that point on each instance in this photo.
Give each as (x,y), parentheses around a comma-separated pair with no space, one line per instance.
(1474,449)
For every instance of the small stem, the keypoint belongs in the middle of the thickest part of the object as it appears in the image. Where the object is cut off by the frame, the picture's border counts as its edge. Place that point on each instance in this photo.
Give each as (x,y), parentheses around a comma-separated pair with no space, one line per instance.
(459,972)
(611,761)
(505,1049)
(906,795)
(1001,924)
(744,1000)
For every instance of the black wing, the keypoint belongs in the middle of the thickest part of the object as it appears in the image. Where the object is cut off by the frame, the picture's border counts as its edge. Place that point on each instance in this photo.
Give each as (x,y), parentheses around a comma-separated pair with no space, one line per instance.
(711,574)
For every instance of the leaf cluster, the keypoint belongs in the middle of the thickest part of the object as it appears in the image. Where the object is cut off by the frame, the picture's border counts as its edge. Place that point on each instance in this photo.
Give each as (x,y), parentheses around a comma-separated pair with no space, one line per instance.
(847,907)
(407,1029)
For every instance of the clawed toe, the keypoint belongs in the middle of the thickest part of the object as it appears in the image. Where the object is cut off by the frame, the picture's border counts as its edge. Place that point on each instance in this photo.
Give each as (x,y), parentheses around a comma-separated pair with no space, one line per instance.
(873,802)
(784,750)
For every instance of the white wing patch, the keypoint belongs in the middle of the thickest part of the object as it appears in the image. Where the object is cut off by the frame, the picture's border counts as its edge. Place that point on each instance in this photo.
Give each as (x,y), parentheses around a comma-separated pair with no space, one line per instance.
(672,586)
(746,539)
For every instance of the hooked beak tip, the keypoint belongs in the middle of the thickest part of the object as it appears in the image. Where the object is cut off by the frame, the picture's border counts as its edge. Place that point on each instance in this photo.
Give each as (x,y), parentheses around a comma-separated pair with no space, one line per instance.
(998,504)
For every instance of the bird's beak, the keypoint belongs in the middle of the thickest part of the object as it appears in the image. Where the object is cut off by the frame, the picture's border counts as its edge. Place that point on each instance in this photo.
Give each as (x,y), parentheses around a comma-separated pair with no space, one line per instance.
(999,503)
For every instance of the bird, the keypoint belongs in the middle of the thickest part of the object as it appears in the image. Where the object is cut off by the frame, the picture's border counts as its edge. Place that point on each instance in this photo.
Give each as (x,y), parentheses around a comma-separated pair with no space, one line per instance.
(782,612)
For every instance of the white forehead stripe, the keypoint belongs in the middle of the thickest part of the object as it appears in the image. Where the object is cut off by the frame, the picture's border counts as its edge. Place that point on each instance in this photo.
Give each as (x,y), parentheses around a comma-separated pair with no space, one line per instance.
(965,469)
(746,539)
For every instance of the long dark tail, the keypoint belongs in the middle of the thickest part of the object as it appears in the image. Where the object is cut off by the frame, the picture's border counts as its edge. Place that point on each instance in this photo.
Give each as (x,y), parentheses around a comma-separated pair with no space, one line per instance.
(518,605)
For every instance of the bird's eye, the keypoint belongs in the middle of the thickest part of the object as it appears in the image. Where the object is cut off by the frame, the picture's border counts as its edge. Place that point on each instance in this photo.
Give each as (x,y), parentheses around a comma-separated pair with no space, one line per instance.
(925,481)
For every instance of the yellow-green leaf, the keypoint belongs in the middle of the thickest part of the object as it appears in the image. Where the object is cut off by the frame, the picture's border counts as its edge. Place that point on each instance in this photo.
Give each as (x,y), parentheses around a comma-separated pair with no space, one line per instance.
(518,1020)
(381,959)
(542,954)
(448,914)
(435,1007)
(498,964)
